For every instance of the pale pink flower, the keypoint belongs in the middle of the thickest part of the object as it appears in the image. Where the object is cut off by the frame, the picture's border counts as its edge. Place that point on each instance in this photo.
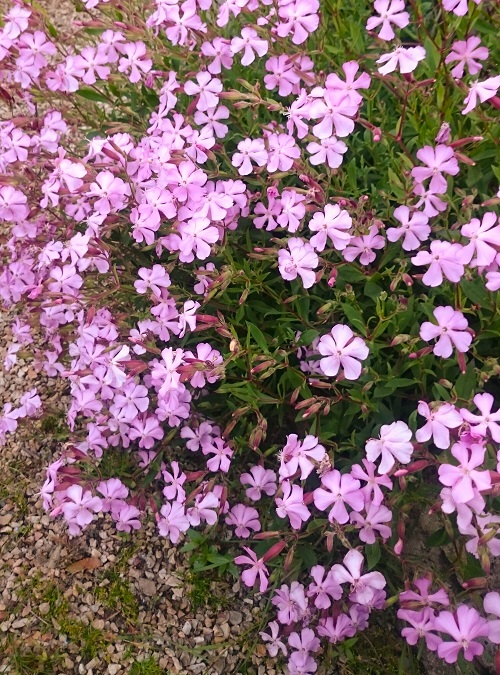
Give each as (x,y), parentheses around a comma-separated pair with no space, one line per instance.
(342,350)
(251,44)
(422,623)
(415,229)
(406,59)
(465,52)
(351,84)
(371,523)
(244,519)
(440,420)
(173,521)
(487,421)
(250,150)
(482,91)
(328,151)
(394,444)
(364,246)
(207,88)
(274,644)
(484,239)
(391,12)
(464,480)
(80,506)
(257,567)
(341,490)
(298,18)
(363,587)
(463,626)
(323,588)
(260,480)
(299,260)
(291,505)
(438,160)
(300,454)
(134,59)
(458,7)
(451,329)
(491,605)
(337,629)
(282,152)
(332,223)
(445,259)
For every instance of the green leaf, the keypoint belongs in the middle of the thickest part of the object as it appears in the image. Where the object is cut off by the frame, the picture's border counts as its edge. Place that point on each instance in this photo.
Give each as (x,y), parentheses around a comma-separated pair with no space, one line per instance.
(307,337)
(392,385)
(354,317)
(438,538)
(91,95)
(258,336)
(373,555)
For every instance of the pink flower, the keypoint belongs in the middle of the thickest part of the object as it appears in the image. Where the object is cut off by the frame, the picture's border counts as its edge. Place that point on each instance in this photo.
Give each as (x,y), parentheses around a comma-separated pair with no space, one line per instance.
(458,7)
(173,521)
(463,626)
(391,12)
(260,480)
(491,605)
(291,602)
(464,480)
(222,453)
(331,223)
(487,421)
(482,91)
(415,229)
(207,88)
(282,152)
(423,597)
(341,490)
(406,59)
(422,623)
(249,149)
(440,420)
(154,279)
(336,629)
(371,523)
(291,504)
(219,49)
(451,330)
(274,643)
(300,454)
(299,260)
(484,239)
(342,350)
(13,205)
(300,18)
(372,492)
(173,483)
(328,151)
(363,587)
(251,44)
(351,84)
(112,193)
(323,589)
(134,59)
(127,518)
(444,259)
(114,492)
(438,160)
(394,444)
(257,567)
(282,75)
(80,505)
(465,51)
(364,246)
(245,519)
(292,210)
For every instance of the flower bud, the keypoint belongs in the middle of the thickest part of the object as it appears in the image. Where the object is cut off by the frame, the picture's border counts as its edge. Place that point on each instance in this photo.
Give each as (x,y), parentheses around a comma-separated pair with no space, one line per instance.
(273,551)
(398,547)
(474,584)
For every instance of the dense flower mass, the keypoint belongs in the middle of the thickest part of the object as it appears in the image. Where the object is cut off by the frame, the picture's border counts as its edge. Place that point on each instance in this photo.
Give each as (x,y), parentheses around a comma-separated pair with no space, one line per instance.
(267,273)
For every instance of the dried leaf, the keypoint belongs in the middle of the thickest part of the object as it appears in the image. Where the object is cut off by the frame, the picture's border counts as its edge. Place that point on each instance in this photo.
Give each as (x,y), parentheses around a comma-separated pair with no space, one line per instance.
(83,565)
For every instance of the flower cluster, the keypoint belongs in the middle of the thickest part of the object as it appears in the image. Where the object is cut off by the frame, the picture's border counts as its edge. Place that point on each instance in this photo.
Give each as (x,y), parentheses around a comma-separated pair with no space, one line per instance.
(257,273)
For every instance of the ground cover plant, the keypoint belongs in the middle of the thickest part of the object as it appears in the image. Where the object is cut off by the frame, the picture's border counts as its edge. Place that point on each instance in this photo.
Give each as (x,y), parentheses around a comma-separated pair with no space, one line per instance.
(260,243)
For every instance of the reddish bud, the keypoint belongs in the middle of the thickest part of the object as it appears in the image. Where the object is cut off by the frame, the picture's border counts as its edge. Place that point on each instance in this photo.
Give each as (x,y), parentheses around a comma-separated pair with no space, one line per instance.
(376,134)
(267,535)
(288,560)
(413,468)
(329,541)
(464,159)
(274,551)
(474,584)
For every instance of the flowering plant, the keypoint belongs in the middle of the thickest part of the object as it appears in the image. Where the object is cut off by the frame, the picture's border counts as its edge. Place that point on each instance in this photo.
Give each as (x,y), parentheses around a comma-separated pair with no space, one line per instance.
(266,261)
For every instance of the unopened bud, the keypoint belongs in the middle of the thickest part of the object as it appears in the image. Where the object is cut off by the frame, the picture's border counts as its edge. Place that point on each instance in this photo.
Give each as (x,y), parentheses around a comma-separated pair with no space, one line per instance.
(398,547)
(476,583)
(464,159)
(329,541)
(376,134)
(289,559)
(399,339)
(274,534)
(332,278)
(312,410)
